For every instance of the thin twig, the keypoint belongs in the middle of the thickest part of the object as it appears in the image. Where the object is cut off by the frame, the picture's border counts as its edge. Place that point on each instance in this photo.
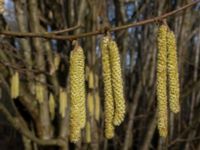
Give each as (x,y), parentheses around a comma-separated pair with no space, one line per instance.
(24,70)
(65,30)
(72,37)
(7,64)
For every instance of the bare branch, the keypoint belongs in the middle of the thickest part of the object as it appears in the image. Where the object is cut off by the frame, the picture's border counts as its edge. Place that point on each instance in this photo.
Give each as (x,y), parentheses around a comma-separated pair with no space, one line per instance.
(65,30)
(123,27)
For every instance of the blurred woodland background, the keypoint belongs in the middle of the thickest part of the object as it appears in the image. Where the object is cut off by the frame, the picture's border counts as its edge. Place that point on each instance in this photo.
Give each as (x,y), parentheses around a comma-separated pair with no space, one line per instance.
(33,58)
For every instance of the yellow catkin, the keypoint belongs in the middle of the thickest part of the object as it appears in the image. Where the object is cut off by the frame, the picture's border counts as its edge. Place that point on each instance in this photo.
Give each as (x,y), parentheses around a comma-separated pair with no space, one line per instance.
(88,132)
(90,102)
(2,6)
(77,93)
(52,106)
(117,83)
(62,102)
(173,73)
(57,61)
(162,81)
(97,106)
(39,91)
(91,79)
(17,84)
(108,103)
(15,87)
(81,66)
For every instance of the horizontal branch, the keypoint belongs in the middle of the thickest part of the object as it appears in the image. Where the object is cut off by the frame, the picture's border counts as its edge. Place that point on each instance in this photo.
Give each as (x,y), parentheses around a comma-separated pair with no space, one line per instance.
(21,69)
(24,70)
(65,30)
(47,35)
(15,122)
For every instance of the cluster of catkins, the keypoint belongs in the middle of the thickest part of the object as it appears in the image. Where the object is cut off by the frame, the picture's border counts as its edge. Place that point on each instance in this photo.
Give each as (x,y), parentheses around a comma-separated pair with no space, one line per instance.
(167,78)
(113,90)
(114,103)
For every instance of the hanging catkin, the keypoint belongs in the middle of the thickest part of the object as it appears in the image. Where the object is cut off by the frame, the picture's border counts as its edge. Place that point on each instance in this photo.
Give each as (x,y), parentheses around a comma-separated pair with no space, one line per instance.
(15,85)
(88,132)
(90,102)
(117,83)
(52,106)
(97,105)
(62,102)
(77,93)
(81,61)
(108,103)
(91,79)
(162,81)
(56,61)
(173,73)
(39,91)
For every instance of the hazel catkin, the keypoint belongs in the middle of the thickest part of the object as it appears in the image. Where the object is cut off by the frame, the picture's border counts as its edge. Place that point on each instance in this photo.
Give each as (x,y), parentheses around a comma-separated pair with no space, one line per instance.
(117,83)
(172,68)
(15,87)
(56,61)
(82,91)
(91,79)
(162,81)
(97,105)
(88,132)
(90,102)
(39,91)
(77,93)
(62,102)
(52,106)
(108,94)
